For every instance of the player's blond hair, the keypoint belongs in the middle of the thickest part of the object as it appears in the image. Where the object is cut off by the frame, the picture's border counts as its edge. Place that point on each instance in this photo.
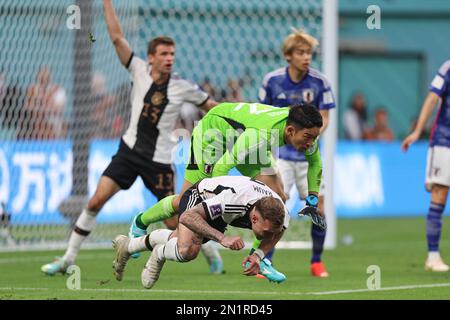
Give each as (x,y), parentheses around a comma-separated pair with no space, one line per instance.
(298,38)
(271,209)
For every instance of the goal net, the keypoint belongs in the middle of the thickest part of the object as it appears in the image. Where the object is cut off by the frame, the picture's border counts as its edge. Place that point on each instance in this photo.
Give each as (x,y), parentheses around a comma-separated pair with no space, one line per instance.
(64,99)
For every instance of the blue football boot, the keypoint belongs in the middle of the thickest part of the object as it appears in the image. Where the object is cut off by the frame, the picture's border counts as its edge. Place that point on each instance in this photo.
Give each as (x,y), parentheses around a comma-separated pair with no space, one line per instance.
(136,232)
(268,271)
(216,266)
(57,266)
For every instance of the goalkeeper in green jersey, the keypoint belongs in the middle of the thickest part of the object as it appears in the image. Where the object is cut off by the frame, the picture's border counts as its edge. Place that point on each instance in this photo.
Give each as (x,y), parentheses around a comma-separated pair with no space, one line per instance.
(244,135)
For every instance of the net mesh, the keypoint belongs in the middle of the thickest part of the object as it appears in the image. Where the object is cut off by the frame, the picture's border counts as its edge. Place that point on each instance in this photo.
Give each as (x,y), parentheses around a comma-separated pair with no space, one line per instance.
(64,96)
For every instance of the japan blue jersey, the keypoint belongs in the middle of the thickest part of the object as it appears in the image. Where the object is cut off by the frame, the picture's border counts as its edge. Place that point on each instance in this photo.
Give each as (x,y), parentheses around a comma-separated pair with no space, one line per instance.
(440,134)
(279,90)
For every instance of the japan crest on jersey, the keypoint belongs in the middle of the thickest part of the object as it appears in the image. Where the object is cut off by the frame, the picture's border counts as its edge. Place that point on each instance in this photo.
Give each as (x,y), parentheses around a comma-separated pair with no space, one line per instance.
(308,95)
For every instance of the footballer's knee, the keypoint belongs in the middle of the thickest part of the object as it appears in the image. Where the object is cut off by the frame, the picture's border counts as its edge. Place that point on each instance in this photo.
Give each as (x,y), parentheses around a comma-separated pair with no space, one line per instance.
(439,193)
(189,252)
(172,223)
(96,203)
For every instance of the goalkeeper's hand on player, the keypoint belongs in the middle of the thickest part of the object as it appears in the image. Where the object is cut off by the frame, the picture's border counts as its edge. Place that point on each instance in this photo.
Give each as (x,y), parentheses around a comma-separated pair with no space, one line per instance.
(311,210)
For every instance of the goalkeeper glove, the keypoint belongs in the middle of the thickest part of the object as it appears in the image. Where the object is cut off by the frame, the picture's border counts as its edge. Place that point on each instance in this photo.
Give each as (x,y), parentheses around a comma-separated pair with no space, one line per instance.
(311,210)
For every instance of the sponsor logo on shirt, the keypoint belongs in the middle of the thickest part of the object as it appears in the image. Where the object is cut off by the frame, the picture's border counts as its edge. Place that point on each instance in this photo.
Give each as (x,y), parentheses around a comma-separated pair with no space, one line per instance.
(281,96)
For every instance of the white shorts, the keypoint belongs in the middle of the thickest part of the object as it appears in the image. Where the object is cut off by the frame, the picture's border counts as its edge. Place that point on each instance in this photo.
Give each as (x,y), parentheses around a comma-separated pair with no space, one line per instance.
(296,172)
(438,166)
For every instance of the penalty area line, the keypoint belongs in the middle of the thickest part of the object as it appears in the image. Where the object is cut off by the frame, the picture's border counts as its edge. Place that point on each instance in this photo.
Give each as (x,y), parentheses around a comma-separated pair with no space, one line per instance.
(406,287)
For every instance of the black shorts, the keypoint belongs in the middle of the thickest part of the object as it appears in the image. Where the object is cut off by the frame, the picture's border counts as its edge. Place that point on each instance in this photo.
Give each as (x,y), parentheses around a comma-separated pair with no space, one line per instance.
(126,166)
(191,198)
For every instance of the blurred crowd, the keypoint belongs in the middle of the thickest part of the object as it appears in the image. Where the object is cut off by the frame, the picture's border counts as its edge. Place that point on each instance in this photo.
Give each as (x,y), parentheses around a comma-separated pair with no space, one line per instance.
(358,126)
(39,112)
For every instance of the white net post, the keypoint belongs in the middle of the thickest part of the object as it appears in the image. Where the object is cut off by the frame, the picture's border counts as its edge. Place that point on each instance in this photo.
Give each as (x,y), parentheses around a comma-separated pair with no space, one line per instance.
(330,69)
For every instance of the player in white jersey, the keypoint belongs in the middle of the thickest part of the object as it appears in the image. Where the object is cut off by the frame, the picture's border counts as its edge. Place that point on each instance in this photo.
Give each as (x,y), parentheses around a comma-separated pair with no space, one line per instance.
(206,210)
(145,148)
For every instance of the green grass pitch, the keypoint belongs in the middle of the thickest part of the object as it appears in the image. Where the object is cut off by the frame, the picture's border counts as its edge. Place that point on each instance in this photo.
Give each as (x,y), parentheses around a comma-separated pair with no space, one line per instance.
(397,246)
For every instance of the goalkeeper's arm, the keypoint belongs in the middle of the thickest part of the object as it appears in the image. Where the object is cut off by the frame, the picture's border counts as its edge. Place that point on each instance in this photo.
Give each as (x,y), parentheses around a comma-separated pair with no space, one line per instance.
(116,34)
(314,173)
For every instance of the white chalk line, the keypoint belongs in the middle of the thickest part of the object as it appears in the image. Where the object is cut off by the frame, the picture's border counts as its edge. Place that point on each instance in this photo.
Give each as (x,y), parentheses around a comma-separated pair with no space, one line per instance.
(266,293)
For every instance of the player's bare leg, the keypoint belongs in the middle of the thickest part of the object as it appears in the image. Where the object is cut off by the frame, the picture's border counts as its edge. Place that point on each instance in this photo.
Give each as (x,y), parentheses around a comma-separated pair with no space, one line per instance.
(171,223)
(106,188)
(434,261)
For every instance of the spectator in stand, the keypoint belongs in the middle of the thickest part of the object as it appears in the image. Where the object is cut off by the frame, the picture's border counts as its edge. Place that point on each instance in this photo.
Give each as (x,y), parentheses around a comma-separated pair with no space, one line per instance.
(209,88)
(355,118)
(122,109)
(104,108)
(45,102)
(234,91)
(381,130)
(11,103)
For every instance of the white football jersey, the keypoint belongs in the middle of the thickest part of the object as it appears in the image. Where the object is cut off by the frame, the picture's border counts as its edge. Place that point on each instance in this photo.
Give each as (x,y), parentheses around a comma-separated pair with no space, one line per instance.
(155,110)
(233,197)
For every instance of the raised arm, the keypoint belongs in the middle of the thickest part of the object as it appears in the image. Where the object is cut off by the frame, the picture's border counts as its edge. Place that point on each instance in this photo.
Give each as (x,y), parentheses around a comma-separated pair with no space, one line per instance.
(116,34)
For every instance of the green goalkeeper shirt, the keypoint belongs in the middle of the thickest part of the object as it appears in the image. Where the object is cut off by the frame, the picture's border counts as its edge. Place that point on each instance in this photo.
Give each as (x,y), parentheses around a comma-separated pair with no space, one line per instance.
(245,134)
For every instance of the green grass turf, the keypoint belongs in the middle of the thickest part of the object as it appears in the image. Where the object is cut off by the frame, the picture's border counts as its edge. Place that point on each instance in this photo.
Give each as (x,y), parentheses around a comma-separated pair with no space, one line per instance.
(397,246)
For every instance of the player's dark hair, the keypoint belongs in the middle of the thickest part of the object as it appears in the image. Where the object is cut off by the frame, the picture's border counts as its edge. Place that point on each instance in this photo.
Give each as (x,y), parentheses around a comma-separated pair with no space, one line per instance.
(271,209)
(151,48)
(305,116)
